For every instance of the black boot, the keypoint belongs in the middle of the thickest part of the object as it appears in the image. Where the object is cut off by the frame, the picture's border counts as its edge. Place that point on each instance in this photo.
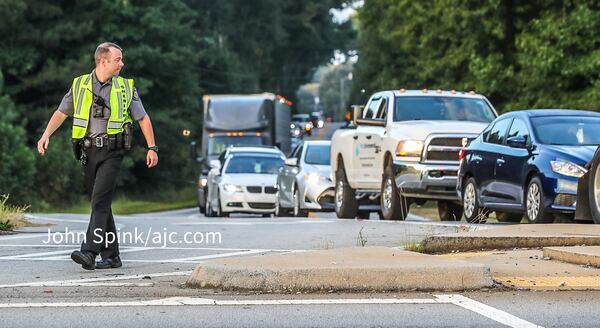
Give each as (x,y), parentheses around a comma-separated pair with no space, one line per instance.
(86,259)
(109,263)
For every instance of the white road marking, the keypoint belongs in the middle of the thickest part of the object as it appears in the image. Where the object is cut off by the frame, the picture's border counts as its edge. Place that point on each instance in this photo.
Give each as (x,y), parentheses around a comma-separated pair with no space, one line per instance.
(216,256)
(44,218)
(180,301)
(99,284)
(24,236)
(486,311)
(158,247)
(123,250)
(251,223)
(86,280)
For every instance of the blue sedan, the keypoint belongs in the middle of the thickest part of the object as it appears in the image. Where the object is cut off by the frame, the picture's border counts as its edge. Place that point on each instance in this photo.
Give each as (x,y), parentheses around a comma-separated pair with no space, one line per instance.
(527,162)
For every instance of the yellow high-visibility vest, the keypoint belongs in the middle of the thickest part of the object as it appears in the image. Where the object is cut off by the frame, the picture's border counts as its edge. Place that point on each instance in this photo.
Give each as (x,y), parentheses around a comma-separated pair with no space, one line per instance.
(121,93)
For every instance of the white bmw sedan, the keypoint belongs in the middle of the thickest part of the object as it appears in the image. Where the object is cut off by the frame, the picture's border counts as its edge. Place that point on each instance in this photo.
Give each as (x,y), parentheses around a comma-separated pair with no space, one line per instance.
(244,180)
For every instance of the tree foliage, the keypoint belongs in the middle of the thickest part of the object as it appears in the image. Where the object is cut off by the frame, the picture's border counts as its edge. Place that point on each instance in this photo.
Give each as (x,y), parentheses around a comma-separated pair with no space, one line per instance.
(175,50)
(519,54)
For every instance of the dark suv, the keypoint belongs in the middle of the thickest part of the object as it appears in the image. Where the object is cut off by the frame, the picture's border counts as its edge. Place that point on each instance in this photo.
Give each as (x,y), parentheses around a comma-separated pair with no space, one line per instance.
(527,162)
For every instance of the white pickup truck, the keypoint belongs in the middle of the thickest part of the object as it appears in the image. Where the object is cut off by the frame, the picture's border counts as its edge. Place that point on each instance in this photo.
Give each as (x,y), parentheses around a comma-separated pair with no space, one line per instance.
(402,148)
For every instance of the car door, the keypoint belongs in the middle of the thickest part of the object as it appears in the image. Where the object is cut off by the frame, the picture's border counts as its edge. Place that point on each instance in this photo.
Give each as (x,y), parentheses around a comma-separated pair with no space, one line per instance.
(511,165)
(485,175)
(365,146)
(288,178)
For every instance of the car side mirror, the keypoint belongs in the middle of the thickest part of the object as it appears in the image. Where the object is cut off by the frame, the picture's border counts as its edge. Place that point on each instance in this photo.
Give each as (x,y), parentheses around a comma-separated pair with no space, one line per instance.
(194,153)
(517,142)
(215,164)
(291,161)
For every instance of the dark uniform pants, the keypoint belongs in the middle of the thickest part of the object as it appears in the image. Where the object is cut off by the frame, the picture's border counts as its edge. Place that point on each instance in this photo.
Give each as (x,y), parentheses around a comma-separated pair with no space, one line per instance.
(101,173)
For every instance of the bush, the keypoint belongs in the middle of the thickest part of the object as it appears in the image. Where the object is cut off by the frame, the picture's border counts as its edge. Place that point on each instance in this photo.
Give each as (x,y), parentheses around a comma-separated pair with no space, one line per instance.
(17,161)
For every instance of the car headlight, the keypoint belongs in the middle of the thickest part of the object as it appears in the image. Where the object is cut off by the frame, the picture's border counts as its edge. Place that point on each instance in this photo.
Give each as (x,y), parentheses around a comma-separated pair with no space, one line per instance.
(232,188)
(567,168)
(292,126)
(297,132)
(409,148)
(202,182)
(311,177)
(320,124)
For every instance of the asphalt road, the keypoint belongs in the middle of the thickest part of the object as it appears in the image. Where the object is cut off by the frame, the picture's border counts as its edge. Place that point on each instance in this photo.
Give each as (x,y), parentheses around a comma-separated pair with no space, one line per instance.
(41,286)
(38,281)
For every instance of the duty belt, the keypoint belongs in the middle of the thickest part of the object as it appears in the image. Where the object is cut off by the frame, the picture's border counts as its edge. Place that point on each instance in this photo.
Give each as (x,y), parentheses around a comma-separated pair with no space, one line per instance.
(102,141)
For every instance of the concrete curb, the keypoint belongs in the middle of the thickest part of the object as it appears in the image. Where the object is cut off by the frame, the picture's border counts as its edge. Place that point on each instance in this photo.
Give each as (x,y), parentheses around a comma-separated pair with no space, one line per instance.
(512,236)
(446,244)
(359,269)
(585,255)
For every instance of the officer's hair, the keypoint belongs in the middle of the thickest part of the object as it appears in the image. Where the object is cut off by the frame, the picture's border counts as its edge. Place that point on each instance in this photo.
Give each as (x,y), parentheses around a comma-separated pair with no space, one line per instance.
(103,50)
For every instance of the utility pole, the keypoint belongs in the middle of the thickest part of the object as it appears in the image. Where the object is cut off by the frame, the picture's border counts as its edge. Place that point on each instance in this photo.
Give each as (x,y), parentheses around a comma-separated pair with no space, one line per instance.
(341,112)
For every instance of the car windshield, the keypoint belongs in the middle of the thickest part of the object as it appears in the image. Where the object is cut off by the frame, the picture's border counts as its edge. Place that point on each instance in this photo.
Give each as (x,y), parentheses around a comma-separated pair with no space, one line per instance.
(317,155)
(300,118)
(567,130)
(254,164)
(442,109)
(218,144)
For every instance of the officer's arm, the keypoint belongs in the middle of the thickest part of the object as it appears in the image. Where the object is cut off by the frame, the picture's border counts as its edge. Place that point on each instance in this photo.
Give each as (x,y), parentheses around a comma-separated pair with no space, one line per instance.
(55,122)
(146,126)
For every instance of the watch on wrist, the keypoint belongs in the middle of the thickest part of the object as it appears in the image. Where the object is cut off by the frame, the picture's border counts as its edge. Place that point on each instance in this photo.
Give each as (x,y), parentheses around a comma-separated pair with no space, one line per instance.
(155,148)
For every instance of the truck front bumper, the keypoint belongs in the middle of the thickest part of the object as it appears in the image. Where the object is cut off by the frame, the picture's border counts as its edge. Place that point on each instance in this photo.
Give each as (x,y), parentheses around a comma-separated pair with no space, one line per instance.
(426,181)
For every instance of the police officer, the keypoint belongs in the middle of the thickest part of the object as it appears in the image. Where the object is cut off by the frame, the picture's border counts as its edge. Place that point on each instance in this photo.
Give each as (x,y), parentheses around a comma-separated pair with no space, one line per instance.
(102,105)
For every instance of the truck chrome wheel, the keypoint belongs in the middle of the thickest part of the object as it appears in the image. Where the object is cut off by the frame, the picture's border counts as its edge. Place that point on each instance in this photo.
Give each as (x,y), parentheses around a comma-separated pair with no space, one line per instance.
(533,201)
(339,194)
(388,195)
(469,200)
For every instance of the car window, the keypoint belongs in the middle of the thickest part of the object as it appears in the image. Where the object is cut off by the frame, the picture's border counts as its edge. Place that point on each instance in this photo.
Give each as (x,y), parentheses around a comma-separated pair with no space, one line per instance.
(299,153)
(254,164)
(567,130)
(370,111)
(317,155)
(519,129)
(498,133)
(438,108)
(383,109)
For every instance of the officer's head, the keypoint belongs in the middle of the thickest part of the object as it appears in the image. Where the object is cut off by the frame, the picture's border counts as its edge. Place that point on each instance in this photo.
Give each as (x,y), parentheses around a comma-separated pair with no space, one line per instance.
(109,58)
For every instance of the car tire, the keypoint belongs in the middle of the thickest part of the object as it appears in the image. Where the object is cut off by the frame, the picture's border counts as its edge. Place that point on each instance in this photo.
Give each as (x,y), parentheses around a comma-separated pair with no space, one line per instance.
(449,210)
(509,217)
(594,188)
(472,210)
(535,210)
(346,206)
(280,211)
(298,212)
(393,205)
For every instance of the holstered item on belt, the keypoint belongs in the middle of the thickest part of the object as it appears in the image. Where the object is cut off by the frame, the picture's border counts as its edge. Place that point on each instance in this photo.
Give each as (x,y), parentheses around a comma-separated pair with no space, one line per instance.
(77,148)
(127,136)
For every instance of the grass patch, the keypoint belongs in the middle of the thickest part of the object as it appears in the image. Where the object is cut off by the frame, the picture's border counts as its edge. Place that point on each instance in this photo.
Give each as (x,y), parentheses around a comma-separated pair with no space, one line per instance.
(415,246)
(11,217)
(165,201)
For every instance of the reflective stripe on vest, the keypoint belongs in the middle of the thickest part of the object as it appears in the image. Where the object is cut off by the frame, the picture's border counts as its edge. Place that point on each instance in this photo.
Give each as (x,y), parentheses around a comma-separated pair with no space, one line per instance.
(121,94)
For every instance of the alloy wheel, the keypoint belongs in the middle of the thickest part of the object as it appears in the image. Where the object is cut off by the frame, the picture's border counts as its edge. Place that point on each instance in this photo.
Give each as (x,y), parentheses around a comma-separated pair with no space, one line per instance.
(388,194)
(339,194)
(469,200)
(533,201)
(596,190)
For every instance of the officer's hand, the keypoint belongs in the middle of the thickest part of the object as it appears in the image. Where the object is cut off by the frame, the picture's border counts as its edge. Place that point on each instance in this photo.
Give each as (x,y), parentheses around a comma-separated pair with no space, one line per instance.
(42,145)
(151,159)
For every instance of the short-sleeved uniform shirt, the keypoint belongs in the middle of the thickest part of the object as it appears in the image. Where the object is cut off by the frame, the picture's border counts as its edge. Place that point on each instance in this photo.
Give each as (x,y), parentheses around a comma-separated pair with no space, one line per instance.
(97,125)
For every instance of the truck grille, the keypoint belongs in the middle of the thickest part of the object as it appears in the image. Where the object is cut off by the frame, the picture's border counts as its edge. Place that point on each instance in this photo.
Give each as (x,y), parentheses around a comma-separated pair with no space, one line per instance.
(254,189)
(444,148)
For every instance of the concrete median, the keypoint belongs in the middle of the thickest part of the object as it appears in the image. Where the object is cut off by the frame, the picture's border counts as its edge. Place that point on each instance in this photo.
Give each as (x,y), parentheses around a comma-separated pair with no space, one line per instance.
(358,269)
(515,236)
(584,255)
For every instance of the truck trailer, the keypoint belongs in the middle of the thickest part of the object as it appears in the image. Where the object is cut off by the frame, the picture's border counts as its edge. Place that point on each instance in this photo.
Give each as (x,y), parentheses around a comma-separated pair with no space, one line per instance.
(240,120)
